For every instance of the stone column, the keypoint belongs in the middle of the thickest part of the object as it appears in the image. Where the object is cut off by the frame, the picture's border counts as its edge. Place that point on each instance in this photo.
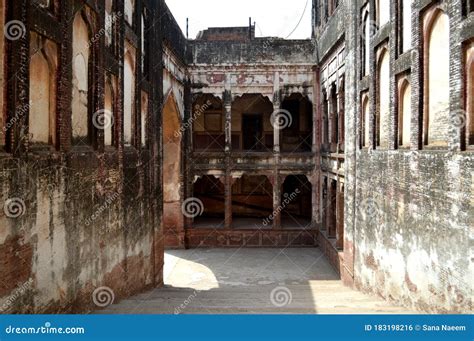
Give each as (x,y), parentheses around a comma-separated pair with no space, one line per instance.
(227,98)
(228,123)
(276,108)
(340,217)
(315,199)
(276,152)
(276,201)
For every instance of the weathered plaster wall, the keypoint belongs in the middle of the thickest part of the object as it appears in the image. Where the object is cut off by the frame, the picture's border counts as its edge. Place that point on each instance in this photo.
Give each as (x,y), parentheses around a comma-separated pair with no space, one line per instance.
(412,228)
(408,212)
(259,50)
(77,218)
(80,226)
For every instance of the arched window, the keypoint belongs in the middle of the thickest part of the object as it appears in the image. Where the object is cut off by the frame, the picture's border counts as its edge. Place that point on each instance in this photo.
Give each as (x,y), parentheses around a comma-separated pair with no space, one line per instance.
(109,19)
(129,11)
(129,91)
(144,117)
(325,125)
(365,121)
(405,32)
(404,113)
(383,12)
(341,116)
(109,112)
(367,27)
(470,92)
(383,99)
(42,113)
(333,119)
(469,6)
(144,43)
(436,77)
(80,79)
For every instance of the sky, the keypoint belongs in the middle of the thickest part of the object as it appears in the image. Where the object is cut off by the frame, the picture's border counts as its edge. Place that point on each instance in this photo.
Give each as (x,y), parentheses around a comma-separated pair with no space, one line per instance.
(275,18)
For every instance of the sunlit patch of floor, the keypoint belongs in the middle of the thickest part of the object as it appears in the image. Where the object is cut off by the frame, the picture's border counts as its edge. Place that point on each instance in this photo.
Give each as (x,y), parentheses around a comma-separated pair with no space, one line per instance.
(253,281)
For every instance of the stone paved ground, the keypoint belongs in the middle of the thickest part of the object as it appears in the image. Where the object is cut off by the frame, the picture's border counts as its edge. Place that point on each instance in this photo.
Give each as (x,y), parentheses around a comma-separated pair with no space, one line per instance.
(242,281)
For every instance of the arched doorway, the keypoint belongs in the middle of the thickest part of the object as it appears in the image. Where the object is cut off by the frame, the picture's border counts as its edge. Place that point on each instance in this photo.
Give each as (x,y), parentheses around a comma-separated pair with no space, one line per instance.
(210,191)
(173,220)
(252,202)
(297,135)
(296,202)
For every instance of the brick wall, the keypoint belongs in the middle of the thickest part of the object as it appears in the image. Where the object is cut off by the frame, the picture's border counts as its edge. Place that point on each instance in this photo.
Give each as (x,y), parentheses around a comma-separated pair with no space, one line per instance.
(408,213)
(75,219)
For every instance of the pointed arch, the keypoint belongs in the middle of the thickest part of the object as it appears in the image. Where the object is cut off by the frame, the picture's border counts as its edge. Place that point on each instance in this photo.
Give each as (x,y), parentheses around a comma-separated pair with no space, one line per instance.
(365,115)
(436,77)
(405,21)
(383,98)
(383,12)
(81,82)
(129,106)
(43,73)
(173,219)
(129,7)
(110,102)
(404,112)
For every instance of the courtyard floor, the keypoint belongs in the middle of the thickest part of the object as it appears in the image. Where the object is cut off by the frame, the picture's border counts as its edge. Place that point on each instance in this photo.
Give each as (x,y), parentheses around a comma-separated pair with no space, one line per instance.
(251,281)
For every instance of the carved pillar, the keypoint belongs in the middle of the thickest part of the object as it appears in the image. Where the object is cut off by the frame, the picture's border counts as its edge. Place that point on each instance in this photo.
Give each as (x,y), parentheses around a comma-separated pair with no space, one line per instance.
(276,108)
(315,199)
(227,97)
(276,151)
(228,124)
(340,217)
(276,201)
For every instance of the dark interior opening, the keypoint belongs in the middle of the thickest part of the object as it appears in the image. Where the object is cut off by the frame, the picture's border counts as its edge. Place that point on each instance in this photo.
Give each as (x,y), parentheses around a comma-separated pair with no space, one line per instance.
(252,126)
(296,202)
